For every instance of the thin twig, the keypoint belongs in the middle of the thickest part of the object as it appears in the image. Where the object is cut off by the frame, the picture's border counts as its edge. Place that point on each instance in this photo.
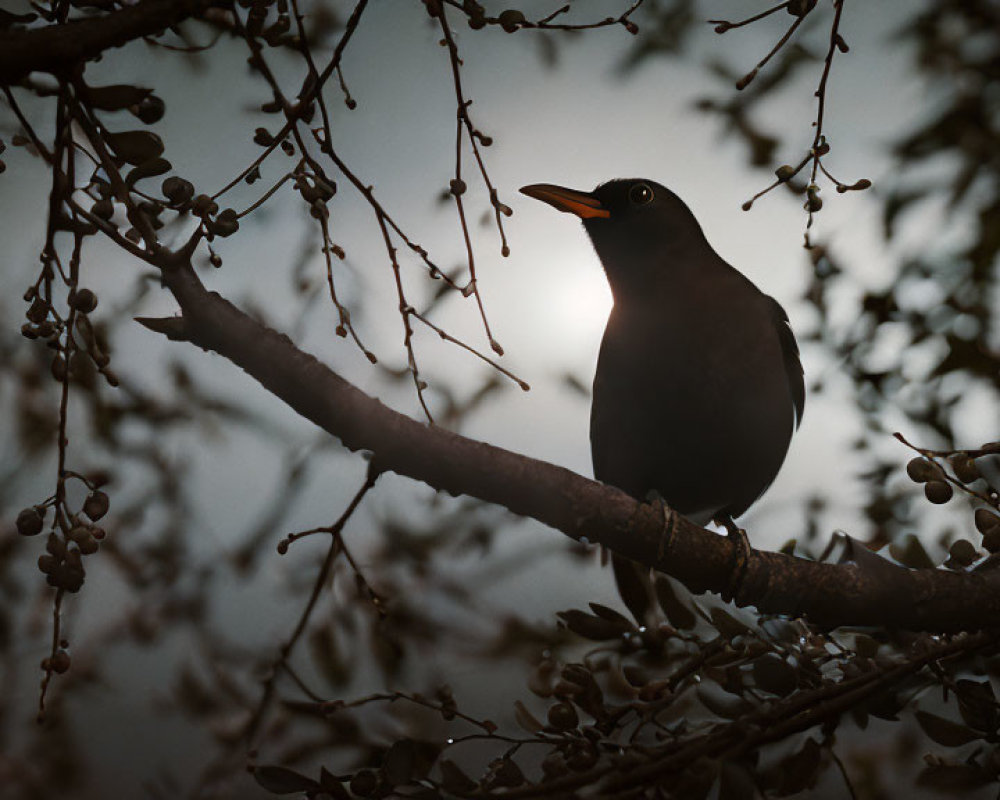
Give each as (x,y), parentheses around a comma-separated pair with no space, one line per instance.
(270,684)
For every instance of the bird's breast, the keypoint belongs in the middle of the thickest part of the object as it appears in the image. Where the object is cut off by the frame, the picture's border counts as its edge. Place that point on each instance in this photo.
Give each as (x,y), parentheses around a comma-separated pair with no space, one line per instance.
(691,399)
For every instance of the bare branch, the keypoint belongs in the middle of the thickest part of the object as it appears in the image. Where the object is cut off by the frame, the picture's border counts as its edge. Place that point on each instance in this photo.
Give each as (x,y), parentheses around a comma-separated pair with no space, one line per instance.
(58,47)
(863,589)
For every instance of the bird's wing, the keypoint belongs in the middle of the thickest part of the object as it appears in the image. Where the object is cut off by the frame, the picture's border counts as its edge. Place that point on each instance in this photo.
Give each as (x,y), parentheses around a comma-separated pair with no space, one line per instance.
(790,352)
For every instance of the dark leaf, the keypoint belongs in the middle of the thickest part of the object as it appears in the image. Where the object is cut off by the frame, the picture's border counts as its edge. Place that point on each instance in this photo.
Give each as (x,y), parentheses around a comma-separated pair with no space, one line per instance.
(953,778)
(332,785)
(454,780)
(148,169)
(911,553)
(736,782)
(676,610)
(774,674)
(135,147)
(800,770)
(944,731)
(865,646)
(114,98)
(885,706)
(726,624)
(611,615)
(503,772)
(407,760)
(281,780)
(398,763)
(7,19)
(696,780)
(592,627)
(632,581)
(977,704)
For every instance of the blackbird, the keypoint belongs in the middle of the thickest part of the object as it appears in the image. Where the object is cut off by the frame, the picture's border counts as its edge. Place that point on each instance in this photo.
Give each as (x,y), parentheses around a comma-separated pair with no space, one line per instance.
(699,385)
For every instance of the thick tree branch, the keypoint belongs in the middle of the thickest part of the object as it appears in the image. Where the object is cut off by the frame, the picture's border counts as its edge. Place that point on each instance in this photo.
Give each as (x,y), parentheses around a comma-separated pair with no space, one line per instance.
(864,589)
(55,48)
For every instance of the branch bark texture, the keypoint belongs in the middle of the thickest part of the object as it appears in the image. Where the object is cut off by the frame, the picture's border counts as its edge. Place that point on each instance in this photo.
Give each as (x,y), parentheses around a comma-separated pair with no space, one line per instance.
(55,48)
(863,589)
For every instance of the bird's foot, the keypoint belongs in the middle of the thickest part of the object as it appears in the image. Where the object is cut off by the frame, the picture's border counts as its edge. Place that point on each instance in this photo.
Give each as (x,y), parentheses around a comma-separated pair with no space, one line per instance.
(741,557)
(667,521)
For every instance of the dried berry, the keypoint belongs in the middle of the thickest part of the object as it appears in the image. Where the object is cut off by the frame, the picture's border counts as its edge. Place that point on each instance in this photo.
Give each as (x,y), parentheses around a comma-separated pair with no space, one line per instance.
(58,368)
(799,8)
(985,519)
(938,491)
(96,505)
(78,533)
(510,19)
(47,563)
(60,662)
(204,206)
(961,553)
(563,717)
(151,109)
(784,172)
(30,521)
(88,545)
(177,190)
(83,300)
(964,467)
(922,470)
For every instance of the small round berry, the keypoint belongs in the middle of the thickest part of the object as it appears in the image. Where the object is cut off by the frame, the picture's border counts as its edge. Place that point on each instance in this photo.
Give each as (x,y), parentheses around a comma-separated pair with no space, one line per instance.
(938,491)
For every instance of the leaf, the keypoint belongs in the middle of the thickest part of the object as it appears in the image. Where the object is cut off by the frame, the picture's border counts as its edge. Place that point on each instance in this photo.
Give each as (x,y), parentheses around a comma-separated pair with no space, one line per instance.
(135,147)
(953,778)
(592,627)
(332,785)
(726,624)
(147,169)
(281,780)
(116,97)
(398,763)
(865,645)
(944,731)
(885,705)
(800,770)
(7,19)
(633,586)
(454,780)
(680,616)
(911,553)
(696,780)
(978,705)
(503,772)
(774,674)
(736,782)
(611,615)
(408,760)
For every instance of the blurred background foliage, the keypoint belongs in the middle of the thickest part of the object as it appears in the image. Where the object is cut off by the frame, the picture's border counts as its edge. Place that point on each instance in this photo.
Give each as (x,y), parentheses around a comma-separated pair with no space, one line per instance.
(419,672)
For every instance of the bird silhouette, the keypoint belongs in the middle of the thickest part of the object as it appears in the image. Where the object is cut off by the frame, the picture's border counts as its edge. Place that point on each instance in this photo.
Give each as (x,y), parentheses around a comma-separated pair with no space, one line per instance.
(698,386)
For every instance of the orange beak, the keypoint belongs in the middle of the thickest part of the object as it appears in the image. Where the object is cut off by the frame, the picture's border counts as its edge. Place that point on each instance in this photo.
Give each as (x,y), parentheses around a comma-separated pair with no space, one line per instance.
(584,205)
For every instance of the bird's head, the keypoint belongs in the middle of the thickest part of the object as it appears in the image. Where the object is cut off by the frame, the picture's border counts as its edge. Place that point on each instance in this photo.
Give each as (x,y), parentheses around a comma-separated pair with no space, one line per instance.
(638,227)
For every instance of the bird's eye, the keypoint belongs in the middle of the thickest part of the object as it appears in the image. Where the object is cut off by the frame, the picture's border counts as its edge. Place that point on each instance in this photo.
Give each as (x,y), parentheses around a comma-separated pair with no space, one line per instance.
(640,194)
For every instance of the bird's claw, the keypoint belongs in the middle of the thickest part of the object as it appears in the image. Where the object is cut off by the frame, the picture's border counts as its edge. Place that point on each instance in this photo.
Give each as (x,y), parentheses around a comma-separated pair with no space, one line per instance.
(741,558)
